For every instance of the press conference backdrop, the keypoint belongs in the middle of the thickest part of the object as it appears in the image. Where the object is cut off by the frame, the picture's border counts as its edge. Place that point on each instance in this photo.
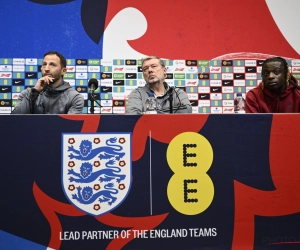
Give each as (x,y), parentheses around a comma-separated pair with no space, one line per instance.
(111,182)
(211,85)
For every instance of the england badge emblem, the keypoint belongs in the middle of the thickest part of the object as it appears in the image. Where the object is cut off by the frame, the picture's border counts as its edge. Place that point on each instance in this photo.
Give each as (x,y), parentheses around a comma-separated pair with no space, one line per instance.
(96,170)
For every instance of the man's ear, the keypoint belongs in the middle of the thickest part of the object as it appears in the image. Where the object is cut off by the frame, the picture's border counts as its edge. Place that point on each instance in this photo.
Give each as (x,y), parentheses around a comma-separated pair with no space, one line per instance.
(64,71)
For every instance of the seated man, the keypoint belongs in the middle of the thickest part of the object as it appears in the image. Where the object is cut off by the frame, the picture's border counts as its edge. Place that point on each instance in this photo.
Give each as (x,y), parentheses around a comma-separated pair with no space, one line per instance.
(154,72)
(277,93)
(50,95)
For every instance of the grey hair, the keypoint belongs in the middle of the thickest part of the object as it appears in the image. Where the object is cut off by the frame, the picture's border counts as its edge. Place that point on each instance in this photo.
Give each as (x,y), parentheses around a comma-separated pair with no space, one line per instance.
(161,62)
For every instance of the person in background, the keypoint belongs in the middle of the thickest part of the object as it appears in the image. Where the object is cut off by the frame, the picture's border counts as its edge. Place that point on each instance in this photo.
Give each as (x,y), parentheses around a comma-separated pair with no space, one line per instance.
(277,93)
(51,94)
(154,72)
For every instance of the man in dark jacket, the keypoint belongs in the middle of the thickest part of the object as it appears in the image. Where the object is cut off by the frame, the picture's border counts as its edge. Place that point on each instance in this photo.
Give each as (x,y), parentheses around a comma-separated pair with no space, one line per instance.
(277,93)
(51,94)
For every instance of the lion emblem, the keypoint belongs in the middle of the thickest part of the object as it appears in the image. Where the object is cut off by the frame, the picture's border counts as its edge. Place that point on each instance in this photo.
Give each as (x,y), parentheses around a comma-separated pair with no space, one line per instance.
(86,152)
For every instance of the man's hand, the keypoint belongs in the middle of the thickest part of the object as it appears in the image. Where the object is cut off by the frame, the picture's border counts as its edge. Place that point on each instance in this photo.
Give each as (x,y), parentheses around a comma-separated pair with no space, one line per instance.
(43,82)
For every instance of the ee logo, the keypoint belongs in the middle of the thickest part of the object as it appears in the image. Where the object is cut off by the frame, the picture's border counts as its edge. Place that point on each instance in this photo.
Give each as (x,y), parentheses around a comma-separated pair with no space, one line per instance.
(190,190)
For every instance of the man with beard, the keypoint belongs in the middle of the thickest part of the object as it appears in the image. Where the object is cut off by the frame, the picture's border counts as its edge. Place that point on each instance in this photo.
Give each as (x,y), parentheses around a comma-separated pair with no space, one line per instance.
(51,94)
(277,93)
(169,99)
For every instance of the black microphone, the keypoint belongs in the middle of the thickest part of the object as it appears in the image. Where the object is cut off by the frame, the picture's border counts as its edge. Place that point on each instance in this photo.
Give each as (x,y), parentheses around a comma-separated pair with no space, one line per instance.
(170,90)
(93,85)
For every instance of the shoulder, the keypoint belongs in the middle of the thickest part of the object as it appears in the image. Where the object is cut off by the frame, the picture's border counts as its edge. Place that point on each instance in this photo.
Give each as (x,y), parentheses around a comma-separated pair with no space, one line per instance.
(25,92)
(255,91)
(138,92)
(297,91)
(72,93)
(179,90)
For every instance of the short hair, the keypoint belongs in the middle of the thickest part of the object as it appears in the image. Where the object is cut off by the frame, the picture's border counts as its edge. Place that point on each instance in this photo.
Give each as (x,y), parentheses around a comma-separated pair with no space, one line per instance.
(63,61)
(161,62)
(277,59)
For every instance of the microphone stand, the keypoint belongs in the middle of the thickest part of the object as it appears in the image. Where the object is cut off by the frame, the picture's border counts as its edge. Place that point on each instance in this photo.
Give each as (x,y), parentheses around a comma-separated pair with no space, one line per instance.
(171,99)
(92,99)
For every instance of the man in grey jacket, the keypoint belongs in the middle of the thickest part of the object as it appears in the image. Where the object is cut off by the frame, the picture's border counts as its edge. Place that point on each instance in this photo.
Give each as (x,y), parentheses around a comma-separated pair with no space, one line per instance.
(169,99)
(51,94)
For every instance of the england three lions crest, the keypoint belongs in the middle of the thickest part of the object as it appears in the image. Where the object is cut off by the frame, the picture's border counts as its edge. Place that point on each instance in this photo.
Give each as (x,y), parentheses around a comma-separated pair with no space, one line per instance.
(96,170)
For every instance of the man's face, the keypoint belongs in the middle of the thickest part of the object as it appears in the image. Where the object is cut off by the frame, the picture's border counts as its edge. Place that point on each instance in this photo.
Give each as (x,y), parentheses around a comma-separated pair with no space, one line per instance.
(274,76)
(153,72)
(51,66)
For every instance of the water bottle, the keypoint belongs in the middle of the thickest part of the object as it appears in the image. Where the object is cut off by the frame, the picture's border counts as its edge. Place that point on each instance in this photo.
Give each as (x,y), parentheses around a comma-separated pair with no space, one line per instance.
(151,104)
(239,104)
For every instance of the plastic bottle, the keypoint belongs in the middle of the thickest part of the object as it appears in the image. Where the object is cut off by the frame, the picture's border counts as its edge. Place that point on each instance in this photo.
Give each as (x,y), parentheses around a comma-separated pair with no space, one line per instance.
(151,104)
(239,104)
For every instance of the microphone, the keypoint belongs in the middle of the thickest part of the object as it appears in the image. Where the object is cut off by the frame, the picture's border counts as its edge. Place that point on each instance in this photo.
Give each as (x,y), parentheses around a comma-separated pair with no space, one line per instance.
(170,91)
(93,85)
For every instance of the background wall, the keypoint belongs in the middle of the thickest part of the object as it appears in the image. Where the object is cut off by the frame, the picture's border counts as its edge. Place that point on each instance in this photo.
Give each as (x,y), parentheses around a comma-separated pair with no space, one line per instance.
(211,31)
